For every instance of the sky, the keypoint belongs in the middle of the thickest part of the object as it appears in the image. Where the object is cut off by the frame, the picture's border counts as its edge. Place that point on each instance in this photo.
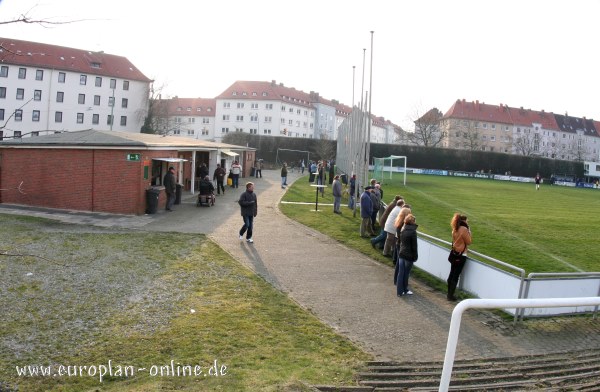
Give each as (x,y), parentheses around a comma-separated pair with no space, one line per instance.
(538,54)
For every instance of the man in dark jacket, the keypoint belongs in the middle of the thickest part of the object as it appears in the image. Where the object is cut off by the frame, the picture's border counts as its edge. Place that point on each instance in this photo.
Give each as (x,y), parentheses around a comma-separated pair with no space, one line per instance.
(249,209)
(170,187)
(407,255)
(219,177)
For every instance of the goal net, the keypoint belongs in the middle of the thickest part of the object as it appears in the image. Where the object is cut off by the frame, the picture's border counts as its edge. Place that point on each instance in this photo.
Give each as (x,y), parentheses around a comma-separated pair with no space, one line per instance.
(386,168)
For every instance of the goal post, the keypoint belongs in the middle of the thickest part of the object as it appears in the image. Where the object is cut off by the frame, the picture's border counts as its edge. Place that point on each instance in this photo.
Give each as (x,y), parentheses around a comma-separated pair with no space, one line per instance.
(391,164)
(292,157)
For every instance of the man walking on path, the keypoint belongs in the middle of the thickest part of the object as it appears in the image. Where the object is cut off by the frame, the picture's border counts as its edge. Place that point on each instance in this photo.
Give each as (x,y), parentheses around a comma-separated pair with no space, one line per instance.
(249,209)
(170,187)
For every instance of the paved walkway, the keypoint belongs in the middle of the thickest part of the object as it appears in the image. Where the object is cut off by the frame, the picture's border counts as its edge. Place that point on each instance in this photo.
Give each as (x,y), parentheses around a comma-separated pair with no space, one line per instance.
(346,289)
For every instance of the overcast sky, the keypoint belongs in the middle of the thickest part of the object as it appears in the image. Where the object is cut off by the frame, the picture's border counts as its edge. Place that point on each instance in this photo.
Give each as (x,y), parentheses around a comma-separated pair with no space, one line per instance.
(539,54)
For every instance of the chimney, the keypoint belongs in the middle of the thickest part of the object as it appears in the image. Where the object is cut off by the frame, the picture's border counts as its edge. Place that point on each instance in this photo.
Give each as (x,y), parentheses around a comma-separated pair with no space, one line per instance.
(273,82)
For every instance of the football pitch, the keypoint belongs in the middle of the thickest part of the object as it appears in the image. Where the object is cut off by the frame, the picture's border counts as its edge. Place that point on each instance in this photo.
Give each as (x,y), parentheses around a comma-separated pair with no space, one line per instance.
(553,229)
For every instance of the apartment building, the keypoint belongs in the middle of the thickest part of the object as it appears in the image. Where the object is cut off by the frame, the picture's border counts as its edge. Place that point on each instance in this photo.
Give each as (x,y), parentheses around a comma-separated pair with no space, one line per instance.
(190,117)
(500,128)
(48,88)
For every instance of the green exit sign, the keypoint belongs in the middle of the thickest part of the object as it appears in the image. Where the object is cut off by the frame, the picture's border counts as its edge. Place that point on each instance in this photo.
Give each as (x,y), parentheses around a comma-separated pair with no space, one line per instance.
(134,157)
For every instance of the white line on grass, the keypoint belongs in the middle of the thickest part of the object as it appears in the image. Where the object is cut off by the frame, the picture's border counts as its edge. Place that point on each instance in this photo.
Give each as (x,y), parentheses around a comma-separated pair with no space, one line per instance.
(531,245)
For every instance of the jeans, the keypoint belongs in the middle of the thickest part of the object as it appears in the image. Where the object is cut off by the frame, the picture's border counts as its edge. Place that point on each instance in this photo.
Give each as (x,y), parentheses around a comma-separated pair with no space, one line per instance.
(351,202)
(220,187)
(337,201)
(248,221)
(170,200)
(258,173)
(403,268)
(380,239)
(283,181)
(235,180)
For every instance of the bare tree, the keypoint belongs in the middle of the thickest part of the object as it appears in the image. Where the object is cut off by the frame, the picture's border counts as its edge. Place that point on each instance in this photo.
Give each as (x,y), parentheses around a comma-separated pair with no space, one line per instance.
(325,148)
(157,119)
(525,144)
(427,129)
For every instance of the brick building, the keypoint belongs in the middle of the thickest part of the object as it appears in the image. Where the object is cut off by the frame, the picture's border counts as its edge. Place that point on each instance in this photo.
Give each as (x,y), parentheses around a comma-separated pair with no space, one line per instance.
(105,171)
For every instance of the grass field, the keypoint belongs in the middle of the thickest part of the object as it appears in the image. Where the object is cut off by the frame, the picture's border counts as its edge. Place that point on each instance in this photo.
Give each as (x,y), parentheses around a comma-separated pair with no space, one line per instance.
(554,229)
(80,296)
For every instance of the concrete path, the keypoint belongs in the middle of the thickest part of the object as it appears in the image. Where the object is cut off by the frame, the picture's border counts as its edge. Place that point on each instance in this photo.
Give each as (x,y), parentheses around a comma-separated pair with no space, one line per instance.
(346,289)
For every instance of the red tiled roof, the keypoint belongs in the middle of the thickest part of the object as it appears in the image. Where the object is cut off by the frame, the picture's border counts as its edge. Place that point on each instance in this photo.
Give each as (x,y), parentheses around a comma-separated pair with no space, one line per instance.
(479,111)
(204,107)
(527,117)
(597,126)
(34,54)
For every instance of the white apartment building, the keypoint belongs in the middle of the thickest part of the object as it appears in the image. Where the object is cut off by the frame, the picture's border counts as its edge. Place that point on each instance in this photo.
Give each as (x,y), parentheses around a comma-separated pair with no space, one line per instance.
(49,88)
(189,117)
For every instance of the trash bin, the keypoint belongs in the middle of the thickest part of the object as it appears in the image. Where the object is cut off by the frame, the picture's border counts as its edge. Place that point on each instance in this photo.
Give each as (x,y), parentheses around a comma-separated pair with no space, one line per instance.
(152,200)
(178,193)
(344,178)
(252,171)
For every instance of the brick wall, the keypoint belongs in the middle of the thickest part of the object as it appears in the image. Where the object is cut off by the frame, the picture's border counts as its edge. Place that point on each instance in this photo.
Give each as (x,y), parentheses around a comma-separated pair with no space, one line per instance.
(86,180)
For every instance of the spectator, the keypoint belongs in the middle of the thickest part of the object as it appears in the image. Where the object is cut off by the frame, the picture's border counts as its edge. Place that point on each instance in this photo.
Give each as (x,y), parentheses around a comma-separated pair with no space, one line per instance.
(390,229)
(380,239)
(407,255)
(366,208)
(236,170)
(336,190)
(219,177)
(169,183)
(283,175)
(376,199)
(203,171)
(461,238)
(249,209)
(352,197)
(406,209)
(259,167)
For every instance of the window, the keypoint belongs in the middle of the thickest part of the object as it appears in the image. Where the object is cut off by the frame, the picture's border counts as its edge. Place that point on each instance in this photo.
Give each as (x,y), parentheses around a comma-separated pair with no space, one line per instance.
(493,126)
(17,134)
(191,120)
(290,122)
(18,115)
(61,77)
(22,73)
(493,139)
(204,131)
(81,99)
(283,108)
(224,130)
(484,125)
(37,95)
(226,105)
(239,118)
(205,120)
(1,116)
(58,117)
(60,96)
(269,106)
(95,119)
(111,101)
(226,117)
(125,84)
(83,79)
(109,120)
(98,81)
(113,83)
(240,105)
(268,119)
(95,65)
(124,103)
(283,121)
(35,133)
(2,92)
(267,131)
(79,118)
(298,111)
(254,106)
(188,109)
(123,120)
(39,74)
(20,93)
(291,110)
(97,100)
(4,71)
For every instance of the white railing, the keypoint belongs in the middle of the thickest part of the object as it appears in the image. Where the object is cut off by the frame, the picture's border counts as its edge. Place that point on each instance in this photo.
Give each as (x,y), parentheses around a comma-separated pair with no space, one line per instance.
(498,304)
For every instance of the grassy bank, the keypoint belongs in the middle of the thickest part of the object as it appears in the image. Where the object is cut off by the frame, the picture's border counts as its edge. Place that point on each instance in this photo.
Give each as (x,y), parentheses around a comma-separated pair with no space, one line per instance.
(76,296)
(550,230)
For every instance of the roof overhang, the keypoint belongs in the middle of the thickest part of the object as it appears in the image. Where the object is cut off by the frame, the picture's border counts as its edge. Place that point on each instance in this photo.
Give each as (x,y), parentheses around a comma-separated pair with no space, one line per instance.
(170,159)
(230,153)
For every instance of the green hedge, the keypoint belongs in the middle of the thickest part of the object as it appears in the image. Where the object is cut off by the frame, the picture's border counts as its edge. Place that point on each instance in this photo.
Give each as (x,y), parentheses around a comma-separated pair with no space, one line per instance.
(418,156)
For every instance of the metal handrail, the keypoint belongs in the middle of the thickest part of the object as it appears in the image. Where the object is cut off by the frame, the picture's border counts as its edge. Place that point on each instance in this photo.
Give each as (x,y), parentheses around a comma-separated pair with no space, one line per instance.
(497,304)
